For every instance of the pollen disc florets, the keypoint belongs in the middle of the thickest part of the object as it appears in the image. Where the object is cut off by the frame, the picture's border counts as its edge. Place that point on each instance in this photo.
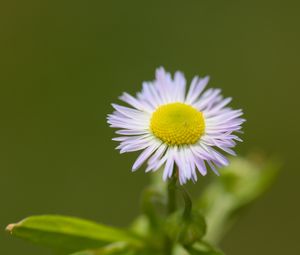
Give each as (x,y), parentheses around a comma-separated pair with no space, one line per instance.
(177,124)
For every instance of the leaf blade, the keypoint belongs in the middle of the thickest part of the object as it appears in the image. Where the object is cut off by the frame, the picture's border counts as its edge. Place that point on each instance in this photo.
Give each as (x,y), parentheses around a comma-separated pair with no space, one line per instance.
(69,233)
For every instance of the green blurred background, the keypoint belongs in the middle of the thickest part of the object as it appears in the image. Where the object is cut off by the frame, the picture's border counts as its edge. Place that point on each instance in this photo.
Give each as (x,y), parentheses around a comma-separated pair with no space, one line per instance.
(64,62)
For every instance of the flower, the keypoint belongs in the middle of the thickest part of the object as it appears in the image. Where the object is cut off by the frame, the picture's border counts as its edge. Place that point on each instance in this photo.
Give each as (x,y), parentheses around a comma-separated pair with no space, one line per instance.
(176,128)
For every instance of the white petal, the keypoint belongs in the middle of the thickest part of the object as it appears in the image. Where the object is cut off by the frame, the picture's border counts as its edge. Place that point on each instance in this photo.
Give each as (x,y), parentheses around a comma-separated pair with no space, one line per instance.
(201,166)
(197,86)
(218,107)
(180,83)
(144,156)
(158,154)
(131,113)
(134,102)
(213,168)
(156,165)
(131,132)
(169,165)
(207,99)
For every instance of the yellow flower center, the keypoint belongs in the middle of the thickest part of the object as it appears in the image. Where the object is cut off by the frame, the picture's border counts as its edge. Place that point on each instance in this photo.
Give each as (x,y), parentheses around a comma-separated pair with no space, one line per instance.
(177,124)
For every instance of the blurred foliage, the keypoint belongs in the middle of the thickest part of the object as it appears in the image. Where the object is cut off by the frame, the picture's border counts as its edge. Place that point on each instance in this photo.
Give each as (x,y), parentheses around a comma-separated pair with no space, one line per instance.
(194,230)
(185,230)
(239,184)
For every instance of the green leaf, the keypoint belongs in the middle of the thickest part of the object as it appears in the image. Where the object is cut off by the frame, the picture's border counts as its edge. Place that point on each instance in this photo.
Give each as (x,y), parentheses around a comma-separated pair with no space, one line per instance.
(185,230)
(111,249)
(203,248)
(239,184)
(153,202)
(199,248)
(96,252)
(114,250)
(198,252)
(141,226)
(180,250)
(85,253)
(69,233)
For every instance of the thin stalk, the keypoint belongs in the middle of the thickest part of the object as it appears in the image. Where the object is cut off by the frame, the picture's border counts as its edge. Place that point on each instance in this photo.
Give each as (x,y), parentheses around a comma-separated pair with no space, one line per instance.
(187,203)
(171,193)
(171,207)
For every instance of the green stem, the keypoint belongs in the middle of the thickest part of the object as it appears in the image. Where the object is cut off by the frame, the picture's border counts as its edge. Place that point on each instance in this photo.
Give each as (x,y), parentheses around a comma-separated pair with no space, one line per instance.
(171,203)
(187,203)
(171,207)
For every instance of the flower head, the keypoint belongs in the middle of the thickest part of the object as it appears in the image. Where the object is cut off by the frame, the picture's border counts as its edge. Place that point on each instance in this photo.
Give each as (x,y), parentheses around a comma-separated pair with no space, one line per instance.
(174,126)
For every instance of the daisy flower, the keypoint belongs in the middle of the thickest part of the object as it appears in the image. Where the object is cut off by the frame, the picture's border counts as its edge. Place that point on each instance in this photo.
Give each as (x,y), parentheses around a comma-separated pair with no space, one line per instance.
(177,128)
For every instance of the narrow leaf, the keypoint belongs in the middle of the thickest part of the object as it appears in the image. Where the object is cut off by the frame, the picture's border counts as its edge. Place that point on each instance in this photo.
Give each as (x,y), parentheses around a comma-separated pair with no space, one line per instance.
(69,233)
(111,249)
